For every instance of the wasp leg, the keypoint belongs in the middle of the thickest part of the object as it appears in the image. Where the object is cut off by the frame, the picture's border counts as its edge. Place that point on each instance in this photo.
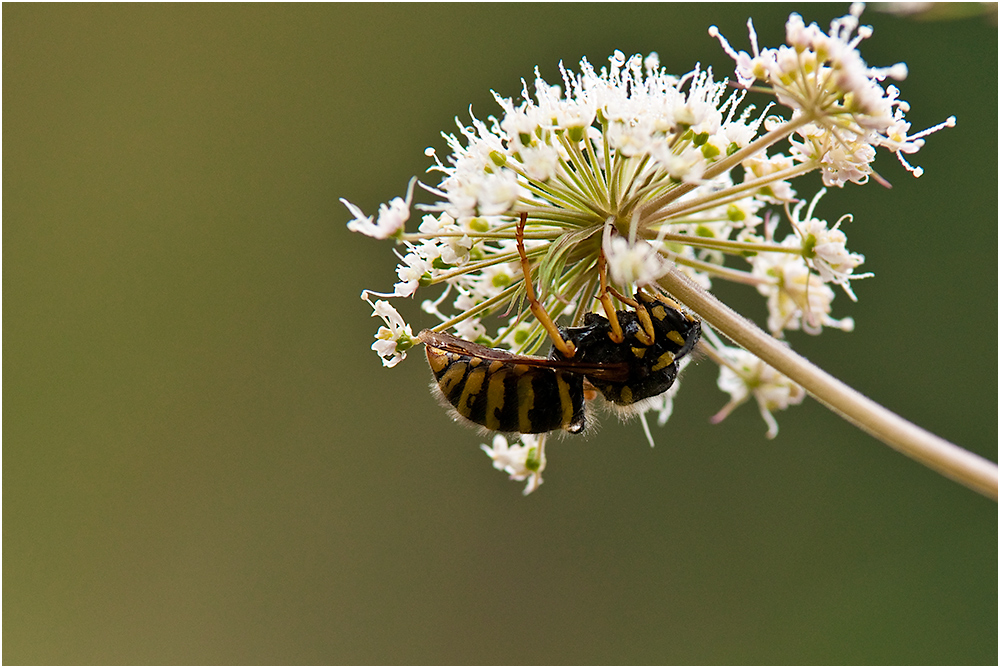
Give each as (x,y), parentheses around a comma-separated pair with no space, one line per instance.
(646,335)
(610,311)
(565,347)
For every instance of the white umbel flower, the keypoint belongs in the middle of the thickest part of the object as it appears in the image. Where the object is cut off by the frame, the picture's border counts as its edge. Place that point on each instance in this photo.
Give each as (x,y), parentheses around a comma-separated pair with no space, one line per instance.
(746,376)
(796,297)
(395,338)
(823,79)
(523,460)
(391,217)
(825,248)
(636,264)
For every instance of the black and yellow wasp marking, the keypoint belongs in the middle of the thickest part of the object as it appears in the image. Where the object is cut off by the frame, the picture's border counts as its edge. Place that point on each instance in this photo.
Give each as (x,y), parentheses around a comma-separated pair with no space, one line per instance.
(518,393)
(505,392)
(650,360)
(628,358)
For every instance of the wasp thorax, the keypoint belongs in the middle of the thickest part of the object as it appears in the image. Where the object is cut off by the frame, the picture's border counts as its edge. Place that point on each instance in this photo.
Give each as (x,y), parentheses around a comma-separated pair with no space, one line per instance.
(649,362)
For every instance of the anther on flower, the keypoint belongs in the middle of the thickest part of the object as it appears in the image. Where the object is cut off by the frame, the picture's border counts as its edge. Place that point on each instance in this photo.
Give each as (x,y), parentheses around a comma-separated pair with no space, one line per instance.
(580,199)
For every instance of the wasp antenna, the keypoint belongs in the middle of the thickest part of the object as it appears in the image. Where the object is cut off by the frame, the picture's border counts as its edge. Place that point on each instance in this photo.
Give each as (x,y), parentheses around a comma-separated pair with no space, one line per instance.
(622,298)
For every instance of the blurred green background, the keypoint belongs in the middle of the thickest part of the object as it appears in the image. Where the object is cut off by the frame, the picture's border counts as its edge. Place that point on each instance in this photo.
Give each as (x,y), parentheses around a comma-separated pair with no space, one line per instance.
(205,463)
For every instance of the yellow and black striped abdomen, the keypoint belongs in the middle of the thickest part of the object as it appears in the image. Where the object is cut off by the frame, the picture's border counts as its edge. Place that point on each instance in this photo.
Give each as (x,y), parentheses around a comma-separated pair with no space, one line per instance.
(507,394)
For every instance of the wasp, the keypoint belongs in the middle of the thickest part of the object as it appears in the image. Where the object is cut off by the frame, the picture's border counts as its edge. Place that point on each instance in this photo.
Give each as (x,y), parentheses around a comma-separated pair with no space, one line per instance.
(627,357)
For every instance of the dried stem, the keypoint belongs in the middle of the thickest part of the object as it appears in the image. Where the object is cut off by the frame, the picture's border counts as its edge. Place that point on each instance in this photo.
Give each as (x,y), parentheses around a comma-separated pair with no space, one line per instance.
(962,466)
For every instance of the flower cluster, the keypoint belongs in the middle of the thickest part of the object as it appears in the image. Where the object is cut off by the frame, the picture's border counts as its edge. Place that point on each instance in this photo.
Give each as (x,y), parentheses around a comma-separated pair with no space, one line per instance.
(845,110)
(643,172)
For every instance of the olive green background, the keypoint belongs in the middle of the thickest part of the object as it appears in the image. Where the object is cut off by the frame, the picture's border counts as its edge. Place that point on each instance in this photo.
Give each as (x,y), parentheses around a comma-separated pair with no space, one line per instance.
(205,463)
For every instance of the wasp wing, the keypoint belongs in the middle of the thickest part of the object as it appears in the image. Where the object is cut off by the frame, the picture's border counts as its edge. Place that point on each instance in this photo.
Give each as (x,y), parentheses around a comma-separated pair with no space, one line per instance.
(453,344)
(610,371)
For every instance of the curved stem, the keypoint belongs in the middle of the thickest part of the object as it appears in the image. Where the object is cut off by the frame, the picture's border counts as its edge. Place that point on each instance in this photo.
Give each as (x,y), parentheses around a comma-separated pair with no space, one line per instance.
(658,206)
(962,466)
(724,245)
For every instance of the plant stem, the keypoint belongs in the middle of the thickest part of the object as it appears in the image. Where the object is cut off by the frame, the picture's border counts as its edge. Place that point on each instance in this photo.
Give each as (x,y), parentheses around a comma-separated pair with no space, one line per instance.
(962,466)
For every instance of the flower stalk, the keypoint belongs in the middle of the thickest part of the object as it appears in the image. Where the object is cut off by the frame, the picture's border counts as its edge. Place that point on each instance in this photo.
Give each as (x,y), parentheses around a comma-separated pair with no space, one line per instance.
(967,468)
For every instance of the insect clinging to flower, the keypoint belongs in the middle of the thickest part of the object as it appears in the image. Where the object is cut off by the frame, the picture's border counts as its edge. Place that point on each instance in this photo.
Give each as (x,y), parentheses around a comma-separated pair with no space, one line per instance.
(597,192)
(628,357)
